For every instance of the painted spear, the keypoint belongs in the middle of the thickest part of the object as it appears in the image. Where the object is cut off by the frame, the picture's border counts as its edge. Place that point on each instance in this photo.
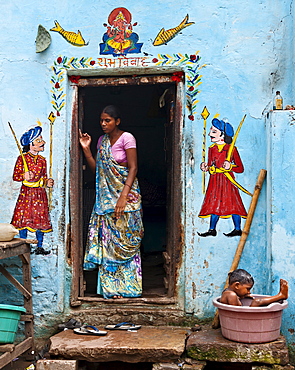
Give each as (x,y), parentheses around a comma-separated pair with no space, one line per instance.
(26,169)
(232,145)
(51,118)
(205,114)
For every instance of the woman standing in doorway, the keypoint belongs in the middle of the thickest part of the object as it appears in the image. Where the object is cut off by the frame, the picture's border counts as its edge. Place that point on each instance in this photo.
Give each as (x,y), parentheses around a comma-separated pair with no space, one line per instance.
(115,227)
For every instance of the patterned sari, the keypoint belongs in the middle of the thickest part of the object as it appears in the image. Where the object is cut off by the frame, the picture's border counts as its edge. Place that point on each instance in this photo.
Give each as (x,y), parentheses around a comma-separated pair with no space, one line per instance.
(113,244)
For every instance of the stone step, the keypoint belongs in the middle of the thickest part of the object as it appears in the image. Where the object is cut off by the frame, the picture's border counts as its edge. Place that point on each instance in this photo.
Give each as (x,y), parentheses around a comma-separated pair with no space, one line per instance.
(148,344)
(209,345)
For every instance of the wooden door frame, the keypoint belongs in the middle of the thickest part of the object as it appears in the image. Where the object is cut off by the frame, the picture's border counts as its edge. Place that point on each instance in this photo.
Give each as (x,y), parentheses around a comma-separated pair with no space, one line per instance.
(75,201)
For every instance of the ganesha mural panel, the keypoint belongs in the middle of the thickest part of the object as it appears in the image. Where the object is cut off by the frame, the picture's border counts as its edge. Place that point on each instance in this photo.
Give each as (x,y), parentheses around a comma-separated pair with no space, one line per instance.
(119,39)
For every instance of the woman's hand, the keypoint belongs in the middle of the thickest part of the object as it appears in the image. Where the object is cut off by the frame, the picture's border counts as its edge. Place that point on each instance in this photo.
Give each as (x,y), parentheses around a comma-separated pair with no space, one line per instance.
(120,206)
(85,140)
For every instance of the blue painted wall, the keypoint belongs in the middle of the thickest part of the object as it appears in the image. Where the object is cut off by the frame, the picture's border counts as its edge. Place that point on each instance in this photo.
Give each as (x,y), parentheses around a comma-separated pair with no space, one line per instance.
(280,154)
(246,52)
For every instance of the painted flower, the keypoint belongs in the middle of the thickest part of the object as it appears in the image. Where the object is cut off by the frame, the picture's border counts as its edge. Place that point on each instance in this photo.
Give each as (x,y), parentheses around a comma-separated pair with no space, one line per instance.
(57,85)
(177,76)
(74,79)
(155,60)
(191,117)
(191,88)
(59,60)
(194,58)
(92,62)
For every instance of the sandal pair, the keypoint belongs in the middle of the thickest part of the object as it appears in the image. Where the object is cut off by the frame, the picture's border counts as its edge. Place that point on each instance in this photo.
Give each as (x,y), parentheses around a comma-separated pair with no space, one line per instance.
(123,326)
(92,330)
(89,330)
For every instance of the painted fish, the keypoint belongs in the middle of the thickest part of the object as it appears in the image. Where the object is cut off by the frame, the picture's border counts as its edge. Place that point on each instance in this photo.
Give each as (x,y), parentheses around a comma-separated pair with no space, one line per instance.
(73,38)
(165,36)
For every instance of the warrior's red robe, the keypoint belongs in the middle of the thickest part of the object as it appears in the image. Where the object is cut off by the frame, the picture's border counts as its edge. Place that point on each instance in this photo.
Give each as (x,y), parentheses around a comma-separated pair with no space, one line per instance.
(222,197)
(31,211)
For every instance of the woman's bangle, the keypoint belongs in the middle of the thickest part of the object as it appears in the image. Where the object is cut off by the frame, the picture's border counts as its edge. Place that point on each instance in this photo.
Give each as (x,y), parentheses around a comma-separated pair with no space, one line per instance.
(128,185)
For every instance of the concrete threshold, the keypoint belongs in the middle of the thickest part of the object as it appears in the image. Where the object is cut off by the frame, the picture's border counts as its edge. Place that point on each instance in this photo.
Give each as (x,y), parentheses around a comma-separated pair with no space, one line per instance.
(149,344)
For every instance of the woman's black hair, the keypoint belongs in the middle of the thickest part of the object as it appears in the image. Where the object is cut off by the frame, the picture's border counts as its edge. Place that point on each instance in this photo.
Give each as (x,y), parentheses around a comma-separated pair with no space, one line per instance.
(241,276)
(112,111)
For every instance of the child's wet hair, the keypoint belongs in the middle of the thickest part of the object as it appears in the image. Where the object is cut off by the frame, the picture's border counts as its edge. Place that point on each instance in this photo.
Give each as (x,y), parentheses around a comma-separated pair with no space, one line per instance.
(241,276)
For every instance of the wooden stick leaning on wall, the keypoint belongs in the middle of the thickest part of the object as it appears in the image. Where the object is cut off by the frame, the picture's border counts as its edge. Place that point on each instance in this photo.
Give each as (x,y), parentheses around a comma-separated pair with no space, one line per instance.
(245,233)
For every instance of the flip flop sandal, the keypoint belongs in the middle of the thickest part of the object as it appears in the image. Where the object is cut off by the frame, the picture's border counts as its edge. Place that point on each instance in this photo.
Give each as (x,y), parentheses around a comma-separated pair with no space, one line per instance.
(70,324)
(89,330)
(123,326)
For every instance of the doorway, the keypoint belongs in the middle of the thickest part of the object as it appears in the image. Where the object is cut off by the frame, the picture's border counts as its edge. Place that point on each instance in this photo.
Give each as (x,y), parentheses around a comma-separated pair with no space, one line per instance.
(148,111)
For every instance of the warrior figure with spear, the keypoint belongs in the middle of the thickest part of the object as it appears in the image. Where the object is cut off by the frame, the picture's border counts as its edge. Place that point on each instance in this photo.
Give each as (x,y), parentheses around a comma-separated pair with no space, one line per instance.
(222,198)
(31,211)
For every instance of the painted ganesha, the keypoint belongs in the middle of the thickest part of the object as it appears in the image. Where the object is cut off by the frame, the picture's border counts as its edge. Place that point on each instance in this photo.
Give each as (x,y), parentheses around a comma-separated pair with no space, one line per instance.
(120,38)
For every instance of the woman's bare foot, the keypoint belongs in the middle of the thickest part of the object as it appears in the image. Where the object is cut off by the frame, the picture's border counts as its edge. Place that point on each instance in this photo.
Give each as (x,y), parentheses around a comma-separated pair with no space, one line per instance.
(117,297)
(284,289)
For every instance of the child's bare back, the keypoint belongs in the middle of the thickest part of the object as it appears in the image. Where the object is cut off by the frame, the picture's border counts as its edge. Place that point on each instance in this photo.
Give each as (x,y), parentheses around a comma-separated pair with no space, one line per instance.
(230,297)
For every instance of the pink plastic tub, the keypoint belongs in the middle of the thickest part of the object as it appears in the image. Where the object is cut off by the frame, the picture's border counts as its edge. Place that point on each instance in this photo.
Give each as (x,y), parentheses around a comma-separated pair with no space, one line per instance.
(250,324)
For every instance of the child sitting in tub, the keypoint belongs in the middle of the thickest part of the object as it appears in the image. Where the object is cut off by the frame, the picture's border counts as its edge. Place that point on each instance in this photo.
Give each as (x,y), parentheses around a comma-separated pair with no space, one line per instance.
(240,284)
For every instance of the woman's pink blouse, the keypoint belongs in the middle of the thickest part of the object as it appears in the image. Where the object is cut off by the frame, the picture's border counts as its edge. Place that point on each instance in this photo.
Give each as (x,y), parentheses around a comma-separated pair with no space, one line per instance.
(125,141)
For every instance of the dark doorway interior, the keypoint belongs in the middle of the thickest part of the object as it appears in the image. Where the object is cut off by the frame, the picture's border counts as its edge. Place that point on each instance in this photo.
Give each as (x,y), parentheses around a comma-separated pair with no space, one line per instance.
(143,117)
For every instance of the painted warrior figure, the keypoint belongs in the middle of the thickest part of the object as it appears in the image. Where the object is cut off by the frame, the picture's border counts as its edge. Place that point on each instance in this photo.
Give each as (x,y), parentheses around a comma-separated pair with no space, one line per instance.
(31,211)
(222,198)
